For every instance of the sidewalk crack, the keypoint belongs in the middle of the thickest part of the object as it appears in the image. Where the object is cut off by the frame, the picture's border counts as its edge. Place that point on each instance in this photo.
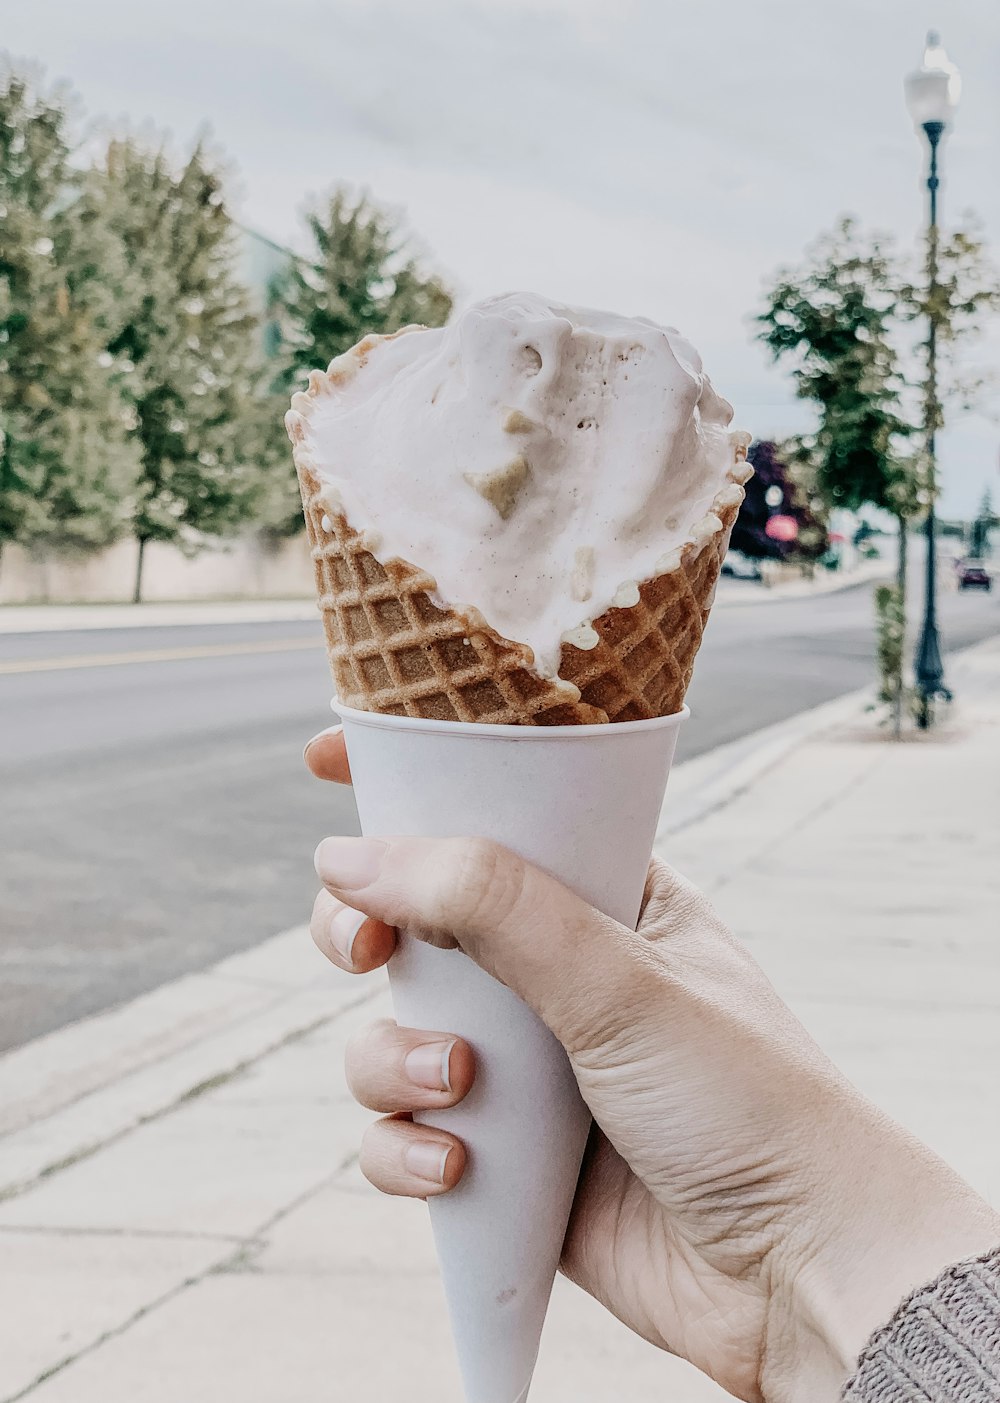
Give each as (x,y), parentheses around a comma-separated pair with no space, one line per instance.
(238,1256)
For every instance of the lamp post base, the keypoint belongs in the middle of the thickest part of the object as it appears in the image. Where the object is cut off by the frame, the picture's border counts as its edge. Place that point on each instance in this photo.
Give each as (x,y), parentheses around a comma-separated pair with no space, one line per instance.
(929,676)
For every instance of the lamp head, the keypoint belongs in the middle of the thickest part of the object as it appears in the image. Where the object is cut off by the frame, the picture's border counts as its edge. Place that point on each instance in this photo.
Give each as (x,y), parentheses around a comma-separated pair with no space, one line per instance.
(933,90)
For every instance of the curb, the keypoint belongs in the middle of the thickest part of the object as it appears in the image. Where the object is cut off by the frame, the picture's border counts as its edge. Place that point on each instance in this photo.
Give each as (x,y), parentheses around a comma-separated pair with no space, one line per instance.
(67,1094)
(709,782)
(835,584)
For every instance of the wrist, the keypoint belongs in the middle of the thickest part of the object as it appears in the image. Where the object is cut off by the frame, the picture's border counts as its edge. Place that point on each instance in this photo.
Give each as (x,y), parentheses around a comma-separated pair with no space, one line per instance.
(888,1216)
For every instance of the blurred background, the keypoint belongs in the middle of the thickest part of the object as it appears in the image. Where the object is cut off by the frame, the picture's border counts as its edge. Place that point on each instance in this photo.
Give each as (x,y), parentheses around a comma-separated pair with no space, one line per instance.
(200,202)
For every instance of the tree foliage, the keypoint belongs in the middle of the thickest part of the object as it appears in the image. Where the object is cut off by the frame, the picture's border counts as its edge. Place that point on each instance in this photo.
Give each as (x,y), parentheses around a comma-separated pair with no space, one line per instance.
(890,641)
(187,343)
(958,287)
(67,465)
(985,521)
(750,532)
(832,320)
(359,277)
(843,321)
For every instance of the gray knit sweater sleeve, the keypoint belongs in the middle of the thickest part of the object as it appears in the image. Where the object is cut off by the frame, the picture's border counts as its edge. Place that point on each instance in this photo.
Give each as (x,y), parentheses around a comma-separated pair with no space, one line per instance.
(941,1346)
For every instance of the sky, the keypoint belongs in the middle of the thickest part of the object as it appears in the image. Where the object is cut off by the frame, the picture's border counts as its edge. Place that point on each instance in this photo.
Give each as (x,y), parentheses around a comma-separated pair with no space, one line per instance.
(646,156)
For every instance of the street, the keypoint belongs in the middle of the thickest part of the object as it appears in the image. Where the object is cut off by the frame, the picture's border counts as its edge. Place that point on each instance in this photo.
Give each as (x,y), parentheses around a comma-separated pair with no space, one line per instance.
(157,814)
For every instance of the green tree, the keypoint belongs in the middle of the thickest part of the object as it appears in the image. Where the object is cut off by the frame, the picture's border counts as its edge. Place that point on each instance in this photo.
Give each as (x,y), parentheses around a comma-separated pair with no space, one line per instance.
(957,288)
(188,344)
(833,320)
(359,277)
(986,519)
(67,467)
(840,321)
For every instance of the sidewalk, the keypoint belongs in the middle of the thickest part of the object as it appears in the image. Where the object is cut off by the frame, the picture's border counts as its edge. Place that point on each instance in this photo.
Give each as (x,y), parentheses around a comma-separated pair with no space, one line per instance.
(182,1220)
(736,592)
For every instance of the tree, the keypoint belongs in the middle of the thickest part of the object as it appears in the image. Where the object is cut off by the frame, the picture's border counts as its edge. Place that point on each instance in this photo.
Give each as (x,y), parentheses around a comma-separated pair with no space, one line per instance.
(833,319)
(67,468)
(360,277)
(188,346)
(750,534)
(986,519)
(840,321)
(958,287)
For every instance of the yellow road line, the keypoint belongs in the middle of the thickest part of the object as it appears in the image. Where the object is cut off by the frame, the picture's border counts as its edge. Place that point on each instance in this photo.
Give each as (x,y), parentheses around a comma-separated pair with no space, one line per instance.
(154,655)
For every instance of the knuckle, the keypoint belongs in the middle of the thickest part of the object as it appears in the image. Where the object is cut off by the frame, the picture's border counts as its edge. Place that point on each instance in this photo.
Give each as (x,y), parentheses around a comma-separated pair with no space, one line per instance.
(363,1057)
(372,1156)
(319,921)
(673,905)
(479,881)
(603,1029)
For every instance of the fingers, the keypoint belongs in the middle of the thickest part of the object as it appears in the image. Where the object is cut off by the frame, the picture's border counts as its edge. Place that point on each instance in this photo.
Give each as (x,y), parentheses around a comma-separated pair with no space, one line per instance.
(350,939)
(413,1161)
(585,975)
(401,1069)
(326,756)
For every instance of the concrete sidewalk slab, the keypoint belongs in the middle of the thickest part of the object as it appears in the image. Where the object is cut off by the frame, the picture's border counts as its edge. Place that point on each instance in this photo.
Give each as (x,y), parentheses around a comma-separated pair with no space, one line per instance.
(66,1291)
(285,1117)
(861,874)
(67,1094)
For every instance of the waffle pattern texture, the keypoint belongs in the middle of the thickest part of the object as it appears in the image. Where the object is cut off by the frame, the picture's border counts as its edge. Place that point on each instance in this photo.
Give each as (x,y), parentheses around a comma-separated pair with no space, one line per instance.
(941,1346)
(393,650)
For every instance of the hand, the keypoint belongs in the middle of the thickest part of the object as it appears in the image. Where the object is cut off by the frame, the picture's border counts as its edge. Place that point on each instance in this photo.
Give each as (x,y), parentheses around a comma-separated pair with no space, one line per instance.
(741,1204)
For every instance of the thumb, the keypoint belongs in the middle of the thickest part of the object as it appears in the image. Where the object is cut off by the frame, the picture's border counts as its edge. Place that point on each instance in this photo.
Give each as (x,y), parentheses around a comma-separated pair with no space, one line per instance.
(586,976)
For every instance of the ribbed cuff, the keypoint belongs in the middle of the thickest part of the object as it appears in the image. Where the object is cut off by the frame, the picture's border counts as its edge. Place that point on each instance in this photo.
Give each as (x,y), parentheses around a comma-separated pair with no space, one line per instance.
(941,1346)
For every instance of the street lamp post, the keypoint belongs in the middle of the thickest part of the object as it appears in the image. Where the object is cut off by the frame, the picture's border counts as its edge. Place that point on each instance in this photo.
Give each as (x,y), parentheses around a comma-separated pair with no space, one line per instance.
(932,94)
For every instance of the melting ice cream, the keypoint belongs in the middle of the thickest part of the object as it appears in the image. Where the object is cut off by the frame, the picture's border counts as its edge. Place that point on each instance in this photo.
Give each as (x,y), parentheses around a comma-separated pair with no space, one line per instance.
(538,460)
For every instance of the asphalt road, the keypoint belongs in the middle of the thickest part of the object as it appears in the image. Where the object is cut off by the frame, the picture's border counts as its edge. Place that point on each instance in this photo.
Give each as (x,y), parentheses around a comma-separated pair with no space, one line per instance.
(156,815)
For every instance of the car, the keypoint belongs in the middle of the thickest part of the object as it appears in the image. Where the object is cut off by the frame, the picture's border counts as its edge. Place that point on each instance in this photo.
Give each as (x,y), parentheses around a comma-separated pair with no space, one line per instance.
(973,574)
(738,566)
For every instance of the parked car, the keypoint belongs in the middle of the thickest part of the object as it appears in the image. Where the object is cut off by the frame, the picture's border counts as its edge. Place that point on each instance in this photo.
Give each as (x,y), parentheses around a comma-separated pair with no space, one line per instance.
(973,574)
(741,567)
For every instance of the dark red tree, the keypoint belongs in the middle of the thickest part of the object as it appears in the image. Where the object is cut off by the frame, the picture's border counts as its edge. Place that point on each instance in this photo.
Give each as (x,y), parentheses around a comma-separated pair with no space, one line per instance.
(750,534)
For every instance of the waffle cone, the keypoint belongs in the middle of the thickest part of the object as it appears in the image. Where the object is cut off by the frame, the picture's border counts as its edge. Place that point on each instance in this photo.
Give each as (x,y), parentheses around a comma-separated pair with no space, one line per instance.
(393,650)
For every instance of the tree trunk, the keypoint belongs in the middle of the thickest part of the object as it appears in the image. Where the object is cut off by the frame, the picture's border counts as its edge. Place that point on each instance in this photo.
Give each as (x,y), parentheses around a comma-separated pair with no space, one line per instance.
(137,591)
(897,708)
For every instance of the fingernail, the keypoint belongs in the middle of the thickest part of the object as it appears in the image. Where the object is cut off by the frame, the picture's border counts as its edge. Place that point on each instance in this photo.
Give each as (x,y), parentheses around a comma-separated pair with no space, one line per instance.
(343,930)
(332,731)
(429,1066)
(349,863)
(427,1159)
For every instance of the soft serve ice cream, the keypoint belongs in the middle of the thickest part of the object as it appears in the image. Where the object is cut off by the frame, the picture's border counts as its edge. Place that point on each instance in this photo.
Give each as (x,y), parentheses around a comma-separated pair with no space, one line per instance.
(539,461)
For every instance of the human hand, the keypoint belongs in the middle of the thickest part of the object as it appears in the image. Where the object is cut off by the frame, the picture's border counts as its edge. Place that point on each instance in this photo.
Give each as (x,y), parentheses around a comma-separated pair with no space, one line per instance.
(741,1205)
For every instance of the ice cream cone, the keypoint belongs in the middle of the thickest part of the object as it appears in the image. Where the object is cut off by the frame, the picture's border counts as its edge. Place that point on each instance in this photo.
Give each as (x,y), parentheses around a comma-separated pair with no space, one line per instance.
(549,466)
(394,651)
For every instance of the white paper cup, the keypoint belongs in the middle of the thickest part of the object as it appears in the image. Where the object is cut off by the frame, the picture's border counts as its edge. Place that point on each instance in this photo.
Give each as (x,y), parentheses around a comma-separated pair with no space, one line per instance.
(581,802)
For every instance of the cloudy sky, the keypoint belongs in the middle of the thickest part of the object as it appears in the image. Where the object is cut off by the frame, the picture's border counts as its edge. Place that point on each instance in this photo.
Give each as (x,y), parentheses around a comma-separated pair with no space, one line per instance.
(644,155)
